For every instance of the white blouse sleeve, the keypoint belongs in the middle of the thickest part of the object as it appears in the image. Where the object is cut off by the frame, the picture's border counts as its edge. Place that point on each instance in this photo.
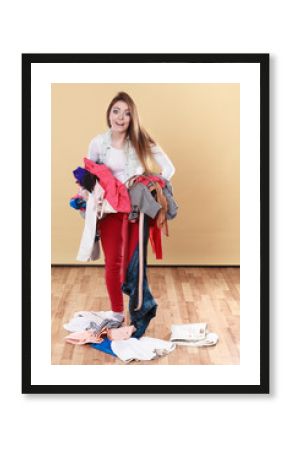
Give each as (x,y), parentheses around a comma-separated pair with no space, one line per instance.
(94,149)
(163,161)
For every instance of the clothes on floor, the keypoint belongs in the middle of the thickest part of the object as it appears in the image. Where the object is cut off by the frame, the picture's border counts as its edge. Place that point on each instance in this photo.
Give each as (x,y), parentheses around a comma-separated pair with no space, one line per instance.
(104,346)
(193,334)
(121,333)
(143,349)
(110,330)
(86,337)
(91,321)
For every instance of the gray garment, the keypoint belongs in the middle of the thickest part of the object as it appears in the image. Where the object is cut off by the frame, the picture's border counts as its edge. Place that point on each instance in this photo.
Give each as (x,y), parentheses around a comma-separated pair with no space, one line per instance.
(142,200)
(106,323)
(96,252)
(172,206)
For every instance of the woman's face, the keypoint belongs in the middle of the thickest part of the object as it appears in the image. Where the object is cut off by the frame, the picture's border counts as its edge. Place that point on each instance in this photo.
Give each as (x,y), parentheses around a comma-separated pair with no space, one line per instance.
(120,116)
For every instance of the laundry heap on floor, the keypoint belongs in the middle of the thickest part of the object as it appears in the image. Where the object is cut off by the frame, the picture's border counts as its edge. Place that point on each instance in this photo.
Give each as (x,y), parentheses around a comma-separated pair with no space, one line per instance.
(105,331)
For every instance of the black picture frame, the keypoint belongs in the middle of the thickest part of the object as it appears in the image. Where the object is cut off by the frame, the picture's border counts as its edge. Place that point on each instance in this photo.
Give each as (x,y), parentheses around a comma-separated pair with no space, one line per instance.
(263,61)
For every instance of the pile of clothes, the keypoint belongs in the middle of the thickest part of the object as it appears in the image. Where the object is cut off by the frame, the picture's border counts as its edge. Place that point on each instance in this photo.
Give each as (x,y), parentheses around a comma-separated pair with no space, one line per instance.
(106,333)
(147,200)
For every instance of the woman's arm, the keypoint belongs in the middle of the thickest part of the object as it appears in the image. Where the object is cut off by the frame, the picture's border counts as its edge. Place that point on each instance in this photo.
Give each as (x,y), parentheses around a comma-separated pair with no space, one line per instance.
(163,161)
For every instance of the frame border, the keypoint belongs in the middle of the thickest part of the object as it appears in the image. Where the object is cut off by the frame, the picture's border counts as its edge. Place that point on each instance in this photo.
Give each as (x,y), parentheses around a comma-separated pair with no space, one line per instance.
(263,60)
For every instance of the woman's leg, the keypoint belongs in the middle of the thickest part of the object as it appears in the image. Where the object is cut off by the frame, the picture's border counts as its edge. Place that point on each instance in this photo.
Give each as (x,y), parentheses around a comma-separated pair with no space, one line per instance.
(111,239)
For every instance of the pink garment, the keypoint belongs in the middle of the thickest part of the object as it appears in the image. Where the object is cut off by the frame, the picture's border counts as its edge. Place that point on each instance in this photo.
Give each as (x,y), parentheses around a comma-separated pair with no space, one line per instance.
(115,192)
(86,337)
(119,334)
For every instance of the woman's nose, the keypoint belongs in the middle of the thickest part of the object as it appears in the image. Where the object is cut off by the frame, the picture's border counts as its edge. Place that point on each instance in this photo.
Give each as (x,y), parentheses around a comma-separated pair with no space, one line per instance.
(121,115)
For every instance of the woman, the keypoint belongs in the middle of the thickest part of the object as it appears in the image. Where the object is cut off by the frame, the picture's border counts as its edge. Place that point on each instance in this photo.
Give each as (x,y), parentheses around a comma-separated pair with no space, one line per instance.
(127,150)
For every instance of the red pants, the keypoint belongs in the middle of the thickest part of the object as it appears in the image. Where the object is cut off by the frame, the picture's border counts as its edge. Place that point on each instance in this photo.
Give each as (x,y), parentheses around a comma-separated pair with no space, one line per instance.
(119,238)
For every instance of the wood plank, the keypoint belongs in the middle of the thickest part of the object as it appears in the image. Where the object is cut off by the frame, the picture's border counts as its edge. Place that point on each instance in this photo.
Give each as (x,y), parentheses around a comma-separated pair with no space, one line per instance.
(184,295)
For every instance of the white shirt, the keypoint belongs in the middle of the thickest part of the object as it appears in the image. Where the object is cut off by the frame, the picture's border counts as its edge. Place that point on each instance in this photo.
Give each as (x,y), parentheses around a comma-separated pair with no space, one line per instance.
(116,160)
(125,163)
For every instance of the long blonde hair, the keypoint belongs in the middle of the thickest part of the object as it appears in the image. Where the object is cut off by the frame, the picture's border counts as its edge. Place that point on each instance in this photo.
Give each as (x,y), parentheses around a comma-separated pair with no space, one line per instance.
(140,138)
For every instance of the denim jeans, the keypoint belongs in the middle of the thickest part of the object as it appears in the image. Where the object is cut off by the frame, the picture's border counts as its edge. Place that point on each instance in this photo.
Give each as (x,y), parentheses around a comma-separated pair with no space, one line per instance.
(141,318)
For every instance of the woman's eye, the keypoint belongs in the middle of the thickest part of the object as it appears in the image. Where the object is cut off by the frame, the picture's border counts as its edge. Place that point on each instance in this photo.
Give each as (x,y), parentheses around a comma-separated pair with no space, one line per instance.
(128,114)
(115,111)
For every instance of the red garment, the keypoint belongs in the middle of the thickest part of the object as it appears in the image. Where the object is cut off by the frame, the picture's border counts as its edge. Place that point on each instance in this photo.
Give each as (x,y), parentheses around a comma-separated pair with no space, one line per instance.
(119,239)
(148,178)
(154,232)
(115,192)
(155,238)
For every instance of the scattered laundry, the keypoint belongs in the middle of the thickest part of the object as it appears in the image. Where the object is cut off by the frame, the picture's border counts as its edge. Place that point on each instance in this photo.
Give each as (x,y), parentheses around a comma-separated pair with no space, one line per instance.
(93,321)
(193,334)
(120,333)
(143,349)
(86,337)
(105,331)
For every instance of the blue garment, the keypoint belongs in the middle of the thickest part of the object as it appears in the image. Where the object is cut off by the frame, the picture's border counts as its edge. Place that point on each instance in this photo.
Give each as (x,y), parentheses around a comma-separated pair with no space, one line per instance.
(86,179)
(141,318)
(79,174)
(104,346)
(78,203)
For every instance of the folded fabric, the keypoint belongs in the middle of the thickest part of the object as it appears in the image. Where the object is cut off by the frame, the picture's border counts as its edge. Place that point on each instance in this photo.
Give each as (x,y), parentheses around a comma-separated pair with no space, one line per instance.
(193,334)
(143,349)
(210,339)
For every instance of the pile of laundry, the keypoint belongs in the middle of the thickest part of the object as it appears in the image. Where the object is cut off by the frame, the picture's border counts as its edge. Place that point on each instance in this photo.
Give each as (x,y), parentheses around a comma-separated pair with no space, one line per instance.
(105,331)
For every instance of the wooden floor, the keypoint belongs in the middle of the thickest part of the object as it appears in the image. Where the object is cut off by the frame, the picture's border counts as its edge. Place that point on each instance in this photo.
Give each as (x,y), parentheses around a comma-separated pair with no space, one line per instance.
(183,295)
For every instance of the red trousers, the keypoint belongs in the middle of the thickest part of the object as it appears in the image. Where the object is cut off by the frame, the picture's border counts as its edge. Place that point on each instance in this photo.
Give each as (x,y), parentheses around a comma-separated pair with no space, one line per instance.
(119,239)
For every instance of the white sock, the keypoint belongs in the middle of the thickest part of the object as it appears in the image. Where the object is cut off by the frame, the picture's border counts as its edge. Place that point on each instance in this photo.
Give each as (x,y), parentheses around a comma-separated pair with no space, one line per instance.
(119,316)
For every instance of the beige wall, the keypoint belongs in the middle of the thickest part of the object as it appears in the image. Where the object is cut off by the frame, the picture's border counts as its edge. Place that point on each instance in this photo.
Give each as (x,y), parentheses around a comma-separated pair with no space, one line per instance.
(198,127)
